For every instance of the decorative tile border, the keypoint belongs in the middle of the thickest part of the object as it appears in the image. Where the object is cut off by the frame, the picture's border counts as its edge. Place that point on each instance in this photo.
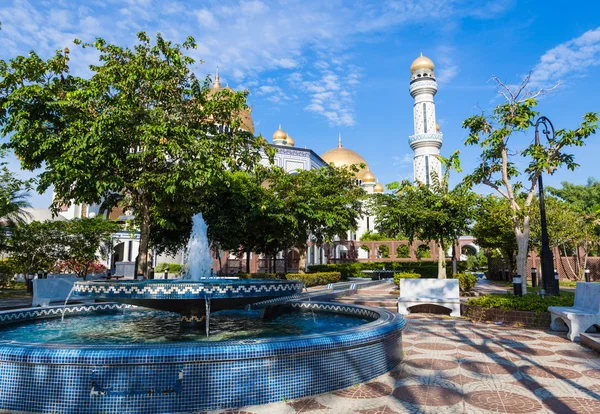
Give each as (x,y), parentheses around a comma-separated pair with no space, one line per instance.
(186,290)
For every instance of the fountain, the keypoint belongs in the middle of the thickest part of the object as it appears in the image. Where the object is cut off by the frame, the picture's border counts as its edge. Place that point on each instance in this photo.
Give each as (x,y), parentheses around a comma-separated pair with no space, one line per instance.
(118,357)
(195,296)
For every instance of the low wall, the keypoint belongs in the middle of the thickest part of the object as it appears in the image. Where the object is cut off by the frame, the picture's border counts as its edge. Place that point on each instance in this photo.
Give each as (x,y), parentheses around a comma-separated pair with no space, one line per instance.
(479,314)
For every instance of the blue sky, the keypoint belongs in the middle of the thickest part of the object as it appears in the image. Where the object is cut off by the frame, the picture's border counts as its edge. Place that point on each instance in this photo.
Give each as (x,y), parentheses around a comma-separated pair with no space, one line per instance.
(323,68)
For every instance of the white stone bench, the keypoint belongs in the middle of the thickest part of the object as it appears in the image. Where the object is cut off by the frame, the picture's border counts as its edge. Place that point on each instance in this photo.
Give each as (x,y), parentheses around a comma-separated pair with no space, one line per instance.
(440,292)
(583,315)
(53,289)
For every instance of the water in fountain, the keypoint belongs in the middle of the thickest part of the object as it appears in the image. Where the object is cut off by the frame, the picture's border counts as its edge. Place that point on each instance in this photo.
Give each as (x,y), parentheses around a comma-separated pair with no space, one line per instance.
(197,257)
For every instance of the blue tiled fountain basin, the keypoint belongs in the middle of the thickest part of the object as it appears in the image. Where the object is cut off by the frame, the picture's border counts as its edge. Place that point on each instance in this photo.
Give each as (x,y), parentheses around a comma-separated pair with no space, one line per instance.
(193,376)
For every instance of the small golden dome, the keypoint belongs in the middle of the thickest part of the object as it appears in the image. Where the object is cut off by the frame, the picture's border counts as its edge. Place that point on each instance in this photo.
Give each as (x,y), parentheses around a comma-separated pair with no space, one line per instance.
(437,127)
(422,62)
(378,188)
(368,177)
(279,135)
(290,141)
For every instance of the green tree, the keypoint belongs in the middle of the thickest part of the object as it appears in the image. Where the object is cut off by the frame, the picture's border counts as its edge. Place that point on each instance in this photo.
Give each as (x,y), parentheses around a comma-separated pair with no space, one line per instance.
(87,240)
(498,166)
(314,205)
(493,228)
(38,245)
(569,229)
(427,213)
(142,131)
(13,201)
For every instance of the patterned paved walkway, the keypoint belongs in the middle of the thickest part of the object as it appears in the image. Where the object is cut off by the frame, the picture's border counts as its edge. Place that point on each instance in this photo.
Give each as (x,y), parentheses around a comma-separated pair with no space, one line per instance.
(455,366)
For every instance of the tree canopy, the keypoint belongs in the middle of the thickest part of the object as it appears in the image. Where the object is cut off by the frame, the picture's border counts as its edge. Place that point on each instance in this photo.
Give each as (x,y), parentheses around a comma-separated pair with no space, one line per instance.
(141,131)
(498,167)
(428,213)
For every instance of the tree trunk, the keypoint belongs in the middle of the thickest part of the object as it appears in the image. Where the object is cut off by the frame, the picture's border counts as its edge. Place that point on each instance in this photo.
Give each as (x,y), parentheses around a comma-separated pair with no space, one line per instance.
(441,262)
(302,261)
(248,261)
(142,263)
(523,249)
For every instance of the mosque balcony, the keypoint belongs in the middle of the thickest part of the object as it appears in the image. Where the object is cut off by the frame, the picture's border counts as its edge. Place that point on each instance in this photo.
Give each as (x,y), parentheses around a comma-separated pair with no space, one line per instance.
(436,138)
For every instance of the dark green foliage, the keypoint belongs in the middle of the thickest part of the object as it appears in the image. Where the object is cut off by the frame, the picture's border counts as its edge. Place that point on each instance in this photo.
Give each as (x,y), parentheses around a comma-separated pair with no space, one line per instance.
(260,275)
(403,251)
(405,275)
(315,279)
(530,302)
(425,269)
(171,267)
(466,281)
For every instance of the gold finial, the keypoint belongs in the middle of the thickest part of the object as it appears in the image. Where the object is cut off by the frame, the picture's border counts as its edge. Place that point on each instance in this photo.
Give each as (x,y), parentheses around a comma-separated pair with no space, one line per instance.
(339,140)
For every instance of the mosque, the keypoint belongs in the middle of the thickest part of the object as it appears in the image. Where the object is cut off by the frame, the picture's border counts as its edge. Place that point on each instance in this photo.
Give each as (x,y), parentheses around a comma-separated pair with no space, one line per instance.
(426,143)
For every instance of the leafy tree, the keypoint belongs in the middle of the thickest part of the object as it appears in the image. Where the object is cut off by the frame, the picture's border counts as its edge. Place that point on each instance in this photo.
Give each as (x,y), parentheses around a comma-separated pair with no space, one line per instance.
(498,167)
(584,198)
(493,228)
(427,213)
(142,131)
(315,205)
(569,229)
(87,241)
(38,245)
(13,199)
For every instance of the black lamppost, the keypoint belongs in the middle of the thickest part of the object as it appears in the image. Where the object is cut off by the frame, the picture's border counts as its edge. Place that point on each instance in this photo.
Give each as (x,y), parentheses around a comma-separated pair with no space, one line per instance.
(547,259)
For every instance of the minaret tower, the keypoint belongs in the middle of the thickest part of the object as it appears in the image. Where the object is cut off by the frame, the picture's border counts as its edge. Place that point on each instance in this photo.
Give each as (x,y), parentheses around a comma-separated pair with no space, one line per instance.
(427,140)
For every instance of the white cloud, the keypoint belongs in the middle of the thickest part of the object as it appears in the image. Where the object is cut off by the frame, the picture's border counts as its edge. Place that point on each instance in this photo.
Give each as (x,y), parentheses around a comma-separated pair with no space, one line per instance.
(567,60)
(206,19)
(446,69)
(403,161)
(246,38)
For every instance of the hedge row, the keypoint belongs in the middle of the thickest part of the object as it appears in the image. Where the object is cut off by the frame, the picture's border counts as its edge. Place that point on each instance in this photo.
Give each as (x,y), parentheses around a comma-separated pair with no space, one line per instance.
(405,275)
(466,281)
(315,279)
(425,269)
(172,267)
(260,275)
(531,302)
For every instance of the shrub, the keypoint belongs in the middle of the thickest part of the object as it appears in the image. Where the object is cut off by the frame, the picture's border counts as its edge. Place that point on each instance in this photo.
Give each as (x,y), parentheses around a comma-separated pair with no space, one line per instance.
(403,251)
(530,302)
(315,279)
(260,275)
(423,251)
(172,267)
(466,281)
(384,250)
(426,269)
(405,275)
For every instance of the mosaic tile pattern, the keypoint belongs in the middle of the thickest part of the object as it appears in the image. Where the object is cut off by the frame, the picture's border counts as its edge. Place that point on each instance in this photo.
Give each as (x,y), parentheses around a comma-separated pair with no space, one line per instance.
(184,378)
(455,366)
(160,289)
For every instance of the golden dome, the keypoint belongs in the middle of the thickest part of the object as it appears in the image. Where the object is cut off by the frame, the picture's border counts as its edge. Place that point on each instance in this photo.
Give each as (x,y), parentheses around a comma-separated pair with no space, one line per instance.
(422,62)
(341,156)
(290,141)
(279,135)
(368,177)
(246,122)
(437,127)
(378,188)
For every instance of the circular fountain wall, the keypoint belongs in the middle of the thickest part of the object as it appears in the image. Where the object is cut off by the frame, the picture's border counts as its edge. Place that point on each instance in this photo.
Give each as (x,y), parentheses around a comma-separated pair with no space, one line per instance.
(180,377)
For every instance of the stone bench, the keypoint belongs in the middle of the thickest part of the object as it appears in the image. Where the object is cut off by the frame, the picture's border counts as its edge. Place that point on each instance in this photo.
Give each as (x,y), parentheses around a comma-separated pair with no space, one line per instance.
(440,292)
(54,289)
(584,314)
